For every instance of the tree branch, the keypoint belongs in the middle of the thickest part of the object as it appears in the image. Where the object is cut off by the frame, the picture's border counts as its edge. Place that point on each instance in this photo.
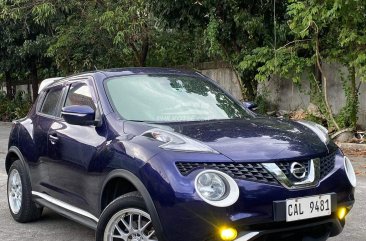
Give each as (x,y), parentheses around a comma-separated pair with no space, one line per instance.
(293,42)
(318,62)
(136,52)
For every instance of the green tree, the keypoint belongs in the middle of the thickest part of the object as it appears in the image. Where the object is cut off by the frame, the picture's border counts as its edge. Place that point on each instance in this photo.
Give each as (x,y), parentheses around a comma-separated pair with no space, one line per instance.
(319,32)
(232,29)
(9,40)
(131,26)
(81,43)
(26,41)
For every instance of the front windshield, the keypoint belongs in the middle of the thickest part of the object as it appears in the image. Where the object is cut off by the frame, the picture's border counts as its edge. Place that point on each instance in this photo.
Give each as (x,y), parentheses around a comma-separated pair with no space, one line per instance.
(170,98)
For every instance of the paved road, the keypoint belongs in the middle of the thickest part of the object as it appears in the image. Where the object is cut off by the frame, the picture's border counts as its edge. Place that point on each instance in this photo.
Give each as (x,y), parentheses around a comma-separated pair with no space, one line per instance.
(53,227)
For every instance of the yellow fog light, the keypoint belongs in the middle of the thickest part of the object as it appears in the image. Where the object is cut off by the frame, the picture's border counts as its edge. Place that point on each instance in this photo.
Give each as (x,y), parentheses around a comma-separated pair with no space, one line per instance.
(341,213)
(228,234)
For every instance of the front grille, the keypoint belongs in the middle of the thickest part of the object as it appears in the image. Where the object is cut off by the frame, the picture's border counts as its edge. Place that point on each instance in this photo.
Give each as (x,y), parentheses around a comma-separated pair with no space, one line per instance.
(327,165)
(247,171)
(255,171)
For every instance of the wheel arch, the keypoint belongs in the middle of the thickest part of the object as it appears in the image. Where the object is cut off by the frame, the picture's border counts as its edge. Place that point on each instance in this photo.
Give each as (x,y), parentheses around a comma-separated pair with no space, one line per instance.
(14,154)
(140,187)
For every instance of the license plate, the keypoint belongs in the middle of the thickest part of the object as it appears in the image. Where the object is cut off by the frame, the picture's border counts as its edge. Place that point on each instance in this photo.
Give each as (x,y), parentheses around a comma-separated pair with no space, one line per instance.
(308,207)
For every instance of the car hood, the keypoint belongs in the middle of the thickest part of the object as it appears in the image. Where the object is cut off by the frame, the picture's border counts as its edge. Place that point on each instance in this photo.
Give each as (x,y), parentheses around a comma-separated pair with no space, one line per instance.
(252,139)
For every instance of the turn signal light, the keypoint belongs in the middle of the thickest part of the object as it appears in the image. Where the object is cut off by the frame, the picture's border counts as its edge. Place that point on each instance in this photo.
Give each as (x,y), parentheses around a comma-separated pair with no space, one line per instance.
(342,212)
(228,234)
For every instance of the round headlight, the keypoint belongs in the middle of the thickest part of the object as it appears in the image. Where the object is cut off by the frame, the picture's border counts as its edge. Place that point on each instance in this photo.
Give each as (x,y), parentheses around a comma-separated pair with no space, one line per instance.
(350,171)
(211,186)
(216,188)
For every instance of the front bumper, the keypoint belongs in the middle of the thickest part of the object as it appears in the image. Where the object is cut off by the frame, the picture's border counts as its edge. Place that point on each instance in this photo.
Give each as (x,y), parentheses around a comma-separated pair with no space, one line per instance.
(320,227)
(185,216)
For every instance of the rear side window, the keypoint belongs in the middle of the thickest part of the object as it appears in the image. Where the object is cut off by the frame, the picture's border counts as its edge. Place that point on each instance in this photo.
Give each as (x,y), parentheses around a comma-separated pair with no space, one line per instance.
(51,101)
(79,94)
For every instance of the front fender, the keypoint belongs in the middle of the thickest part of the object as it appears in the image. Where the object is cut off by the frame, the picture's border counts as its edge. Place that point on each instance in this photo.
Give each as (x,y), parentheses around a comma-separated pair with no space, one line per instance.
(121,173)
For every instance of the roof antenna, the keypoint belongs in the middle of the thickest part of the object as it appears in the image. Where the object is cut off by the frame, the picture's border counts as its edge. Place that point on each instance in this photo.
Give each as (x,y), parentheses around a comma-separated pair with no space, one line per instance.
(95,67)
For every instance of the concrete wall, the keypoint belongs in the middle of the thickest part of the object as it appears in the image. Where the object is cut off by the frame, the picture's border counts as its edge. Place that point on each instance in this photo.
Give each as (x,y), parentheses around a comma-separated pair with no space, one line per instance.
(288,96)
(223,75)
(362,107)
(17,87)
(284,94)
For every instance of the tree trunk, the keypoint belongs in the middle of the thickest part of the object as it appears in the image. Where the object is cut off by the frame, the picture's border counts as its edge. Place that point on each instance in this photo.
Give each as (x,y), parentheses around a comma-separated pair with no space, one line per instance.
(324,79)
(144,51)
(353,97)
(250,86)
(34,79)
(29,96)
(9,89)
(140,54)
(318,74)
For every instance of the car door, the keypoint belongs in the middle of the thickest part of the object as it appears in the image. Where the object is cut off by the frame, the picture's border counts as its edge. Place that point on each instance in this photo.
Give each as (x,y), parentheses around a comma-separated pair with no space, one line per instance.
(48,107)
(74,149)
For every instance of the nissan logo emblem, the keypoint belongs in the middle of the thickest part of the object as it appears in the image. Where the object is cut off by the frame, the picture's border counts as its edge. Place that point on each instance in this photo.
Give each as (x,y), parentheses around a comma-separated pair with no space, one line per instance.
(298,170)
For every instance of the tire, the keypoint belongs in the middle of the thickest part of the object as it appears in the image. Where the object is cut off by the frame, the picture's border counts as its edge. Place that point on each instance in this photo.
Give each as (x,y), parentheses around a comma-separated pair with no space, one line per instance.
(121,209)
(19,193)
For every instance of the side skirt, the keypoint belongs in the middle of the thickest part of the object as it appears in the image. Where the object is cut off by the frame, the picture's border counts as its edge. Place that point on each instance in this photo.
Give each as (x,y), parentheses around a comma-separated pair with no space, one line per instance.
(66,210)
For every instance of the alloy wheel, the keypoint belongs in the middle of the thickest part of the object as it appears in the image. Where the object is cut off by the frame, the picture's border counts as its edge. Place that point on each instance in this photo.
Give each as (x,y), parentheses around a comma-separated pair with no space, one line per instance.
(15,191)
(130,225)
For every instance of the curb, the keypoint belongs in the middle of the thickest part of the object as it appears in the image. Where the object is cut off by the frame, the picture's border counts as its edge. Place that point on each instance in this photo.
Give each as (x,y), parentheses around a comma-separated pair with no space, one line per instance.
(352,146)
(3,123)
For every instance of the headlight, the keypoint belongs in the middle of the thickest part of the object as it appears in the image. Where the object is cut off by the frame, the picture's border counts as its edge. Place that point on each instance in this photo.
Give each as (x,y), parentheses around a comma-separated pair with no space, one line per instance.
(211,186)
(216,188)
(350,171)
(320,130)
(177,142)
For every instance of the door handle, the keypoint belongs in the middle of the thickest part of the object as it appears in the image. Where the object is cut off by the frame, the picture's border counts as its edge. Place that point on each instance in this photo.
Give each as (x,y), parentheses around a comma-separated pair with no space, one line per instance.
(53,139)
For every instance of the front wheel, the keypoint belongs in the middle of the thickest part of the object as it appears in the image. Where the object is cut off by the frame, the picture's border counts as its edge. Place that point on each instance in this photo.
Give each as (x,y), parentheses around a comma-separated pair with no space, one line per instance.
(126,219)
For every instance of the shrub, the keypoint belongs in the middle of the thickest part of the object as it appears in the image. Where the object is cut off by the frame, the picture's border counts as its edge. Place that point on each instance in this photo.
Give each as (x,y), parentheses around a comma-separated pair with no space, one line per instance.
(16,108)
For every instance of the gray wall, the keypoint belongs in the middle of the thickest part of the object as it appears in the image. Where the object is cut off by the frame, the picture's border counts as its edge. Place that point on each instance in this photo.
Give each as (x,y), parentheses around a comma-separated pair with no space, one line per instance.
(223,75)
(288,96)
(284,93)
(23,88)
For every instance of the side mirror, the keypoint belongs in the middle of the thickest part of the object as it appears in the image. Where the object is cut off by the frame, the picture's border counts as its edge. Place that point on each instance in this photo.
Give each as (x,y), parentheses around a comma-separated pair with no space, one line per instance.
(250,105)
(81,115)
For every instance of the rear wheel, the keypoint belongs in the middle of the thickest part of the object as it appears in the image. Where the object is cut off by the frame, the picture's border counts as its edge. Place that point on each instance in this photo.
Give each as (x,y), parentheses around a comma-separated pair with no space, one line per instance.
(126,219)
(19,192)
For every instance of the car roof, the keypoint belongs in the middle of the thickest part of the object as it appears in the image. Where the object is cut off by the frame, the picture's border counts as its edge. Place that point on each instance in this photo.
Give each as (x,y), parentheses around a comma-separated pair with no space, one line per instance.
(107,73)
(48,82)
(137,70)
(146,70)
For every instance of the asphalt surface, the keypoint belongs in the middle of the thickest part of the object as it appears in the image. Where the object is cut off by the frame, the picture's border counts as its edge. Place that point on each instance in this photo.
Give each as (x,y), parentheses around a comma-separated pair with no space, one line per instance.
(53,227)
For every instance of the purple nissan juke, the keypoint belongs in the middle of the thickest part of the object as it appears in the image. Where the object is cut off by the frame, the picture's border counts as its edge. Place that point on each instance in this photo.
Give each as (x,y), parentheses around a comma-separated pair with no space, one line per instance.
(153,154)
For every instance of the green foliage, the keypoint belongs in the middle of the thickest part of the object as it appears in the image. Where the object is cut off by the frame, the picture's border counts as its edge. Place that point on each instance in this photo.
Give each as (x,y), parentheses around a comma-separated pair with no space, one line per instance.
(283,62)
(232,29)
(323,31)
(262,103)
(14,109)
(43,11)
(45,38)
(130,26)
(317,98)
(347,117)
(80,44)
(177,47)
(212,36)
